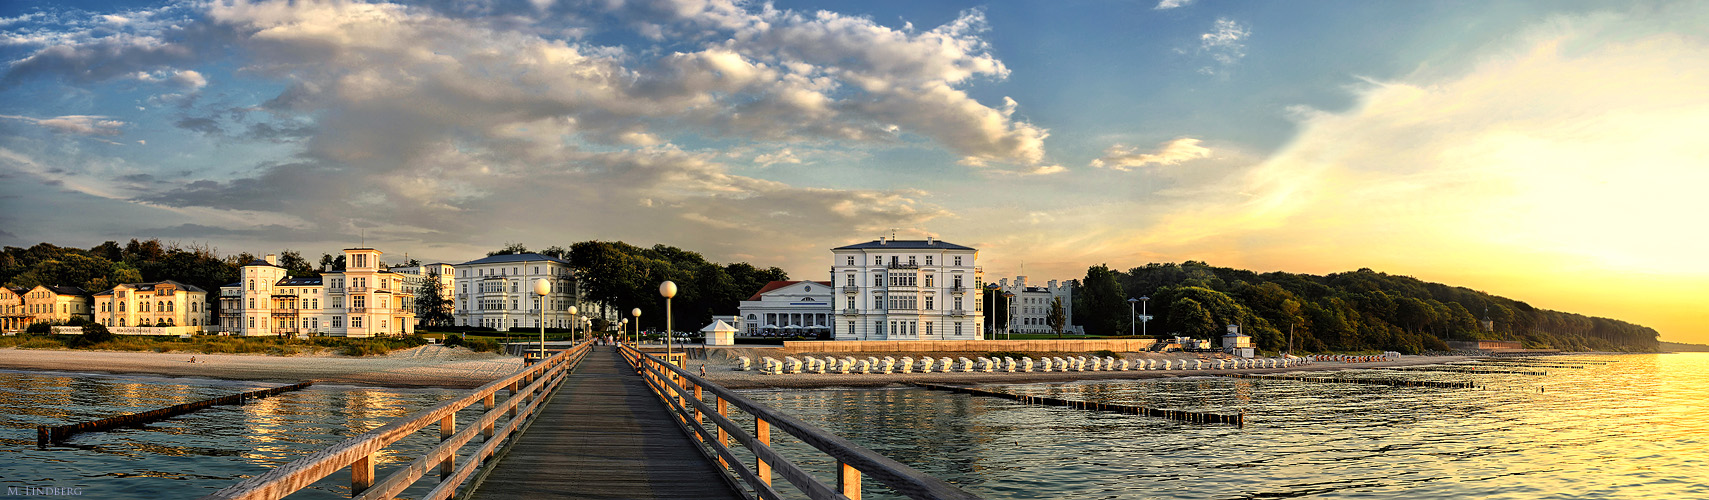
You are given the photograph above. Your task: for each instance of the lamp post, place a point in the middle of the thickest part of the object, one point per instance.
(541, 288)
(636, 312)
(668, 290)
(991, 294)
(1143, 324)
(573, 312)
(1132, 321)
(622, 327)
(1008, 315)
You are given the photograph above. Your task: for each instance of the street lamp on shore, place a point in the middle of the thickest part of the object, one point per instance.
(1132, 320)
(1143, 324)
(668, 290)
(541, 288)
(1008, 315)
(990, 295)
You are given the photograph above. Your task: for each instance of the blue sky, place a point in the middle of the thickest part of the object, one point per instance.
(1542, 150)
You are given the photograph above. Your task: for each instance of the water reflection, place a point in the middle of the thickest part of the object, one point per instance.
(1631, 428)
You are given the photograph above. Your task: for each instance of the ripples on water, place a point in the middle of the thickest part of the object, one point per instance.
(197, 453)
(1631, 429)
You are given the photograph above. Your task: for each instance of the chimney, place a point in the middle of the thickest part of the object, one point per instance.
(929, 240)
(273, 259)
(881, 241)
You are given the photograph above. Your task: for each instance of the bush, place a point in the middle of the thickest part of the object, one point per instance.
(482, 345)
(42, 328)
(1106, 353)
(95, 333)
(453, 340)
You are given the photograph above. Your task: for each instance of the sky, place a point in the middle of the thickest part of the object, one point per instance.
(1547, 151)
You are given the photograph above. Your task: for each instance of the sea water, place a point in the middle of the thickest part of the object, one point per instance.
(1637, 427)
(1633, 428)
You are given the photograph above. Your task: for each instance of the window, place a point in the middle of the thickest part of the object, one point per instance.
(851, 305)
(849, 279)
(928, 277)
(251, 285)
(536, 269)
(893, 260)
(958, 260)
(928, 260)
(878, 327)
(355, 321)
(122, 306)
(958, 328)
(929, 303)
(928, 328)
(910, 260)
(251, 322)
(851, 262)
(359, 301)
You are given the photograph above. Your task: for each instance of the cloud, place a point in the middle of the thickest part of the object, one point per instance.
(775, 157)
(75, 124)
(1224, 43)
(1170, 4)
(1175, 152)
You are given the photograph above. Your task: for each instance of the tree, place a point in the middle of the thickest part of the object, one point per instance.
(1190, 318)
(1058, 317)
(432, 308)
(294, 264)
(556, 252)
(509, 249)
(1104, 301)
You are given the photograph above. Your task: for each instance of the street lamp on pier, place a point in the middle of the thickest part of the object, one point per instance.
(636, 312)
(541, 288)
(573, 312)
(668, 290)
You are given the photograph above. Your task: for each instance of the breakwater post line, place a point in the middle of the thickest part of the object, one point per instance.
(1238, 419)
(1387, 382)
(45, 434)
(1455, 369)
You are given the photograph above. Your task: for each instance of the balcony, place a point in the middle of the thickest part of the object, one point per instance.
(958, 312)
(851, 289)
(902, 265)
(849, 312)
(359, 289)
(958, 289)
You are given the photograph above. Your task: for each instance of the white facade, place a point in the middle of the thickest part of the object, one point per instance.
(1030, 310)
(907, 290)
(415, 276)
(363, 300)
(498, 292)
(164, 303)
(788, 308)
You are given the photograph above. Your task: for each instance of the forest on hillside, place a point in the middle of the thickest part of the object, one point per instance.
(1352, 311)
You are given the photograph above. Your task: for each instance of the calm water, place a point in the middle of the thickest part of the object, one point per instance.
(194, 454)
(1635, 428)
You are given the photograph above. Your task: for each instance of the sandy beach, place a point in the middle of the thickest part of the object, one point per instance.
(425, 366)
(724, 369)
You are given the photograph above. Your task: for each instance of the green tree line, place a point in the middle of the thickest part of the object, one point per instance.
(1352, 311)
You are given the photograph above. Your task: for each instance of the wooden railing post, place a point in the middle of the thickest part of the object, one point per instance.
(447, 428)
(848, 480)
(723, 435)
(697, 418)
(487, 430)
(361, 475)
(762, 433)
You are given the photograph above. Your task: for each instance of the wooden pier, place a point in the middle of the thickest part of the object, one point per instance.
(604, 435)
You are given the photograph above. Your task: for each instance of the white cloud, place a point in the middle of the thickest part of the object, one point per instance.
(75, 124)
(1170, 4)
(1225, 44)
(1175, 152)
(776, 157)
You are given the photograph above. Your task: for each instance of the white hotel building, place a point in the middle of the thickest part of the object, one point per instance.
(363, 300)
(498, 292)
(906, 290)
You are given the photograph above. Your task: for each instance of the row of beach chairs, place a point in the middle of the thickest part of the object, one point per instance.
(928, 364)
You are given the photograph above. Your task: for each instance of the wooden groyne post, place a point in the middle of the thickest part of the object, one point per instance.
(1238, 419)
(1387, 382)
(45, 434)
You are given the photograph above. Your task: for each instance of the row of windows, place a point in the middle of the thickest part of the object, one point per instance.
(46, 308)
(899, 279)
(896, 260)
(168, 321)
(159, 306)
(512, 271)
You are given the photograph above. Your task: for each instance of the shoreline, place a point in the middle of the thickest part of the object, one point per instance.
(727, 375)
(414, 368)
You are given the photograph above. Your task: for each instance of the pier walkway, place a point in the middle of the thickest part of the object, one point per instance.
(604, 435)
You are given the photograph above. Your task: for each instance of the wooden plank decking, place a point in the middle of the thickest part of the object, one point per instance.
(604, 436)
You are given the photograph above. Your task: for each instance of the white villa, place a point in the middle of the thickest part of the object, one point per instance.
(788, 308)
(891, 289)
(162, 303)
(1030, 311)
(498, 292)
(363, 300)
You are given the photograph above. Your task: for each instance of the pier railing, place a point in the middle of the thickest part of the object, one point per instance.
(685, 395)
(360, 453)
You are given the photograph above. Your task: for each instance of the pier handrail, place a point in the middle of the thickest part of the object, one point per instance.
(853, 461)
(359, 453)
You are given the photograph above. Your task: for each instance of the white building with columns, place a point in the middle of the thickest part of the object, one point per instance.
(891, 289)
(363, 300)
(787, 308)
(498, 292)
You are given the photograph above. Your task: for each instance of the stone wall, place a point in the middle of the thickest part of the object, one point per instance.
(1052, 345)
